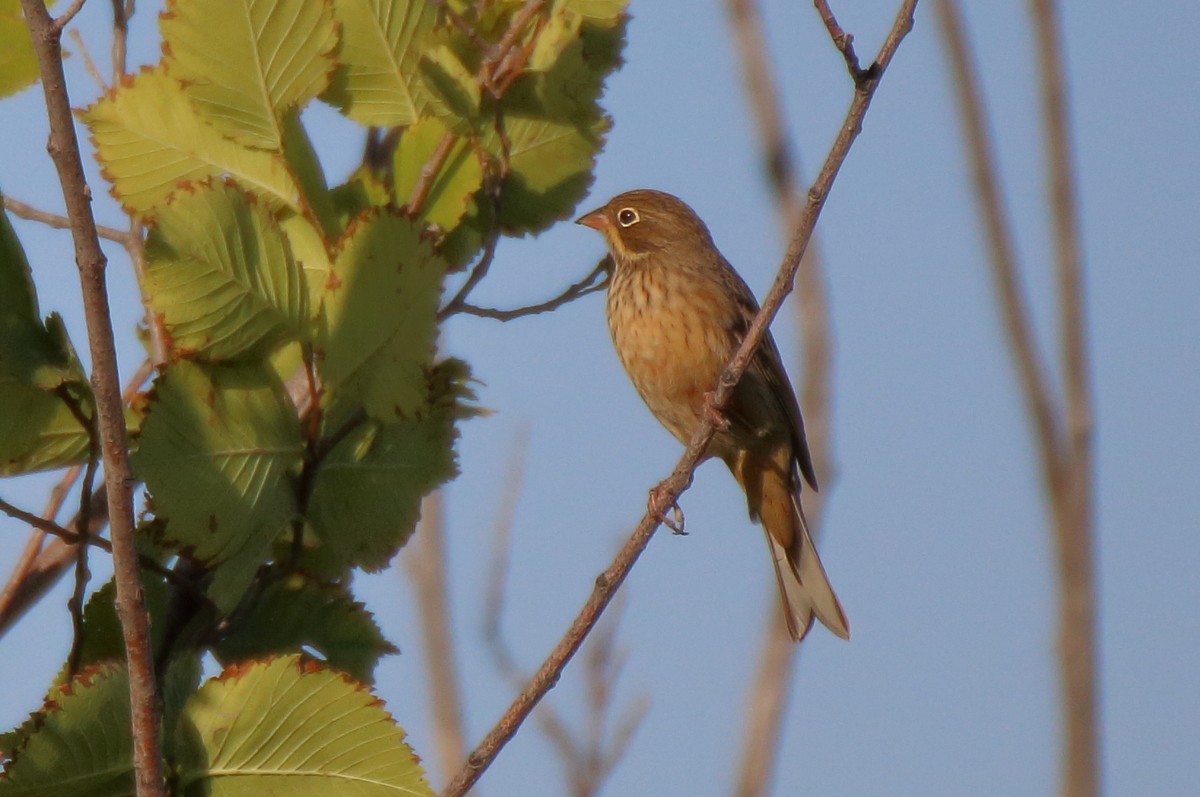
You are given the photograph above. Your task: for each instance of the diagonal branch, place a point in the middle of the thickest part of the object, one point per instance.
(64, 151)
(668, 492)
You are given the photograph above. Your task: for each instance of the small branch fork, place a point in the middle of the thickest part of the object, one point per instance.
(46, 34)
(671, 488)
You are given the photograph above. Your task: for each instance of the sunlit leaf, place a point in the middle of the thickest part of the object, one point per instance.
(216, 448)
(288, 727)
(454, 89)
(221, 275)
(246, 63)
(18, 65)
(293, 613)
(377, 81)
(149, 139)
(378, 322)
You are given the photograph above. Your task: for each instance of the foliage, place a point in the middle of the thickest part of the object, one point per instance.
(301, 414)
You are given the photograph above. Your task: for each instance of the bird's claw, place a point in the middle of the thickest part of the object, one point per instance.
(670, 515)
(713, 415)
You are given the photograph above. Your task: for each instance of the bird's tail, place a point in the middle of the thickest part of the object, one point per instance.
(803, 585)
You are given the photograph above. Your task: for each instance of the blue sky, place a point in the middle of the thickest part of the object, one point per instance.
(935, 533)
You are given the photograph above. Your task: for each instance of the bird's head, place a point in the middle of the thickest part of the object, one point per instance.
(638, 223)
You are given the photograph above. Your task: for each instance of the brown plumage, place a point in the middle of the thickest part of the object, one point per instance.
(677, 312)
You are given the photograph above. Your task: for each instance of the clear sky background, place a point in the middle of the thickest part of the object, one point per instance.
(935, 533)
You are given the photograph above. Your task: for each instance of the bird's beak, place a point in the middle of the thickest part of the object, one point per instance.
(596, 220)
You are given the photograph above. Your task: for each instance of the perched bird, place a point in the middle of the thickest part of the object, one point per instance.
(677, 312)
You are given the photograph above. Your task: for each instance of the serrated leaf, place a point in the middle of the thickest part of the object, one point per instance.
(149, 139)
(103, 639)
(37, 431)
(308, 246)
(215, 451)
(310, 176)
(456, 183)
(366, 496)
(221, 274)
(294, 613)
(550, 169)
(288, 727)
(377, 81)
(18, 64)
(246, 63)
(379, 316)
(82, 746)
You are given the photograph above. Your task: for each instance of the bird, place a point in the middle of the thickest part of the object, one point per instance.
(678, 312)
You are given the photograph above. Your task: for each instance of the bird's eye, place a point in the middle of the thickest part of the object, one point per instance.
(627, 217)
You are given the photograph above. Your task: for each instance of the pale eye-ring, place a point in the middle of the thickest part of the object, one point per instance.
(627, 217)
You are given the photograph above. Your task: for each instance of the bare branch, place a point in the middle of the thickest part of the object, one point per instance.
(842, 40)
(576, 290)
(668, 491)
(61, 22)
(29, 213)
(64, 151)
(82, 573)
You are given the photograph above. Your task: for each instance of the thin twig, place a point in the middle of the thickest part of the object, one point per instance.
(667, 493)
(82, 574)
(842, 40)
(88, 63)
(65, 19)
(576, 290)
(33, 546)
(106, 387)
(29, 213)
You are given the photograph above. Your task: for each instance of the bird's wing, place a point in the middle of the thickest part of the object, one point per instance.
(767, 374)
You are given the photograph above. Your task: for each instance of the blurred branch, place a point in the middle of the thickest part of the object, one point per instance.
(590, 760)
(82, 574)
(88, 63)
(767, 704)
(425, 559)
(1062, 434)
(667, 493)
(46, 34)
(33, 546)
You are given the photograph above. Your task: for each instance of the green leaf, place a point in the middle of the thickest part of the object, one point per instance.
(216, 449)
(306, 167)
(18, 65)
(246, 63)
(379, 316)
(308, 245)
(550, 169)
(560, 30)
(221, 274)
(82, 746)
(456, 183)
(377, 81)
(37, 431)
(296, 612)
(149, 139)
(366, 496)
(102, 639)
(289, 727)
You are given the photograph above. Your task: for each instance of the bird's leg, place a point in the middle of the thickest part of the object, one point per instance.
(713, 415)
(658, 507)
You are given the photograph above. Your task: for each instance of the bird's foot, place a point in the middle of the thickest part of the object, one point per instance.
(671, 515)
(713, 415)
